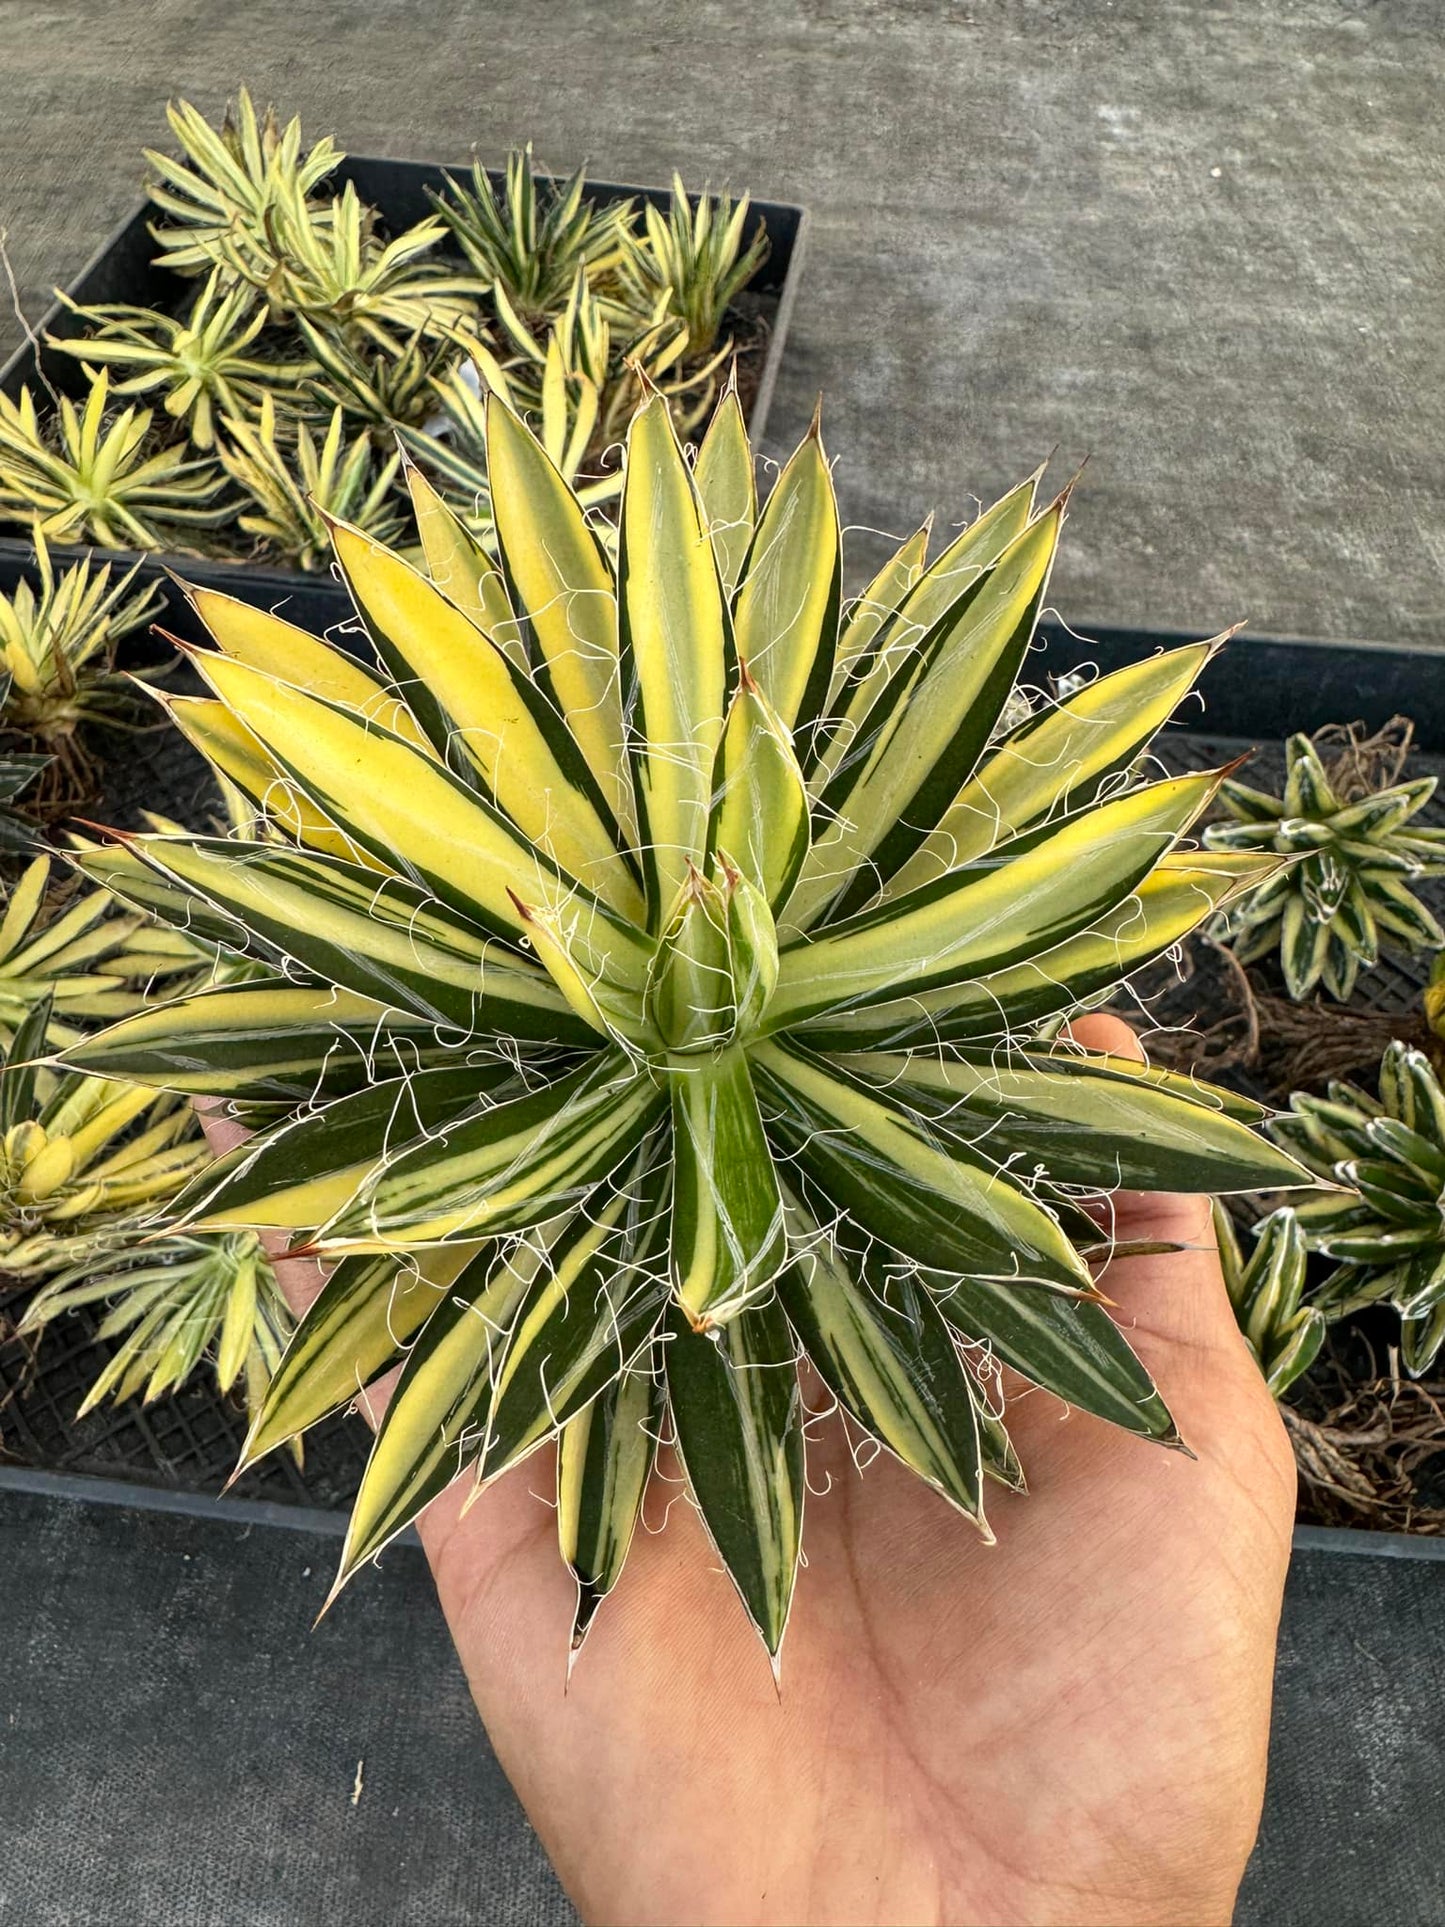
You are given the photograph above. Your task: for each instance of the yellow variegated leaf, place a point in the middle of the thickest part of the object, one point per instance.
(461, 568)
(786, 616)
(974, 921)
(560, 578)
(263, 641)
(469, 697)
(1053, 759)
(674, 634)
(725, 482)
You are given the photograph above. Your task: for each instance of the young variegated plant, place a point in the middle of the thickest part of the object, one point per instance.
(1266, 1289)
(667, 965)
(89, 958)
(292, 490)
(1351, 890)
(90, 476)
(171, 1302)
(1385, 1228)
(58, 640)
(201, 363)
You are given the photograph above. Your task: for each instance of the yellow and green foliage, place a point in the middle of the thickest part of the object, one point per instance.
(665, 961)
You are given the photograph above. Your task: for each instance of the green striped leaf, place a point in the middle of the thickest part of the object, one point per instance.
(297, 1173)
(469, 698)
(885, 670)
(728, 1243)
(890, 1361)
(1087, 1124)
(1056, 762)
(604, 1461)
(1170, 902)
(1068, 1346)
(674, 643)
(506, 1166)
(262, 1041)
(375, 937)
(786, 615)
(727, 488)
(988, 916)
(907, 764)
(432, 1428)
(737, 1413)
(589, 1314)
(928, 1198)
(867, 613)
(365, 1314)
(559, 576)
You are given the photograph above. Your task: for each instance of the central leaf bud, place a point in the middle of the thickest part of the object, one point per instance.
(716, 963)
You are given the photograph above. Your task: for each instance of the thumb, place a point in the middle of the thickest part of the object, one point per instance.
(1177, 1297)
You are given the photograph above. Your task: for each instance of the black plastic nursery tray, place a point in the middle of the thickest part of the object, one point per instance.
(122, 270)
(1256, 691)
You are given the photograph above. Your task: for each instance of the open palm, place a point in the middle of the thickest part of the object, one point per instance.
(1069, 1725)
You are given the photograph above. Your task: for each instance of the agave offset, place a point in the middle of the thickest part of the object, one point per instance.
(1385, 1228)
(171, 1303)
(1351, 890)
(529, 242)
(229, 180)
(88, 959)
(666, 964)
(80, 1157)
(201, 362)
(58, 638)
(1266, 1290)
(694, 262)
(292, 494)
(330, 264)
(87, 477)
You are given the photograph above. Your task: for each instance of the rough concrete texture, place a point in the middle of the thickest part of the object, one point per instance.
(177, 1748)
(1200, 243)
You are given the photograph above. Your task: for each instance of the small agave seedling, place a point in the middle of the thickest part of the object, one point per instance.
(1266, 1290)
(528, 243)
(58, 640)
(665, 968)
(329, 264)
(201, 362)
(386, 388)
(1350, 890)
(294, 494)
(89, 478)
(80, 1157)
(90, 960)
(173, 1301)
(228, 181)
(1386, 1229)
(693, 260)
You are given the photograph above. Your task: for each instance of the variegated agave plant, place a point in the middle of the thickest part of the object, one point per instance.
(665, 973)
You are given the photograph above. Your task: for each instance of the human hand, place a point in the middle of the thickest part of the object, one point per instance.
(1067, 1726)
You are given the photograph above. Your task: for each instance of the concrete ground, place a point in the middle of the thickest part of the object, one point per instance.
(1200, 242)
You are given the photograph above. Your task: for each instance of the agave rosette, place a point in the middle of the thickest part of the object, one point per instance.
(663, 964)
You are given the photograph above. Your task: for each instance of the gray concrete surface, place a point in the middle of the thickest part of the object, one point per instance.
(178, 1748)
(1200, 242)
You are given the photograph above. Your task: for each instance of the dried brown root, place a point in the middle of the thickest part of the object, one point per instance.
(1358, 765)
(1364, 1448)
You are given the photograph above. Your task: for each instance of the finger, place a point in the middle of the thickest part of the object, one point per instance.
(1177, 1296)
